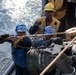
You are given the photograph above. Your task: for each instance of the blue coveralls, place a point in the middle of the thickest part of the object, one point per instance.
(19, 56)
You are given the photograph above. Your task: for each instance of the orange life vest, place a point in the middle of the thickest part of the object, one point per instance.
(43, 24)
(58, 4)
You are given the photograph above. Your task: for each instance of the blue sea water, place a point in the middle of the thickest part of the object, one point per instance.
(13, 12)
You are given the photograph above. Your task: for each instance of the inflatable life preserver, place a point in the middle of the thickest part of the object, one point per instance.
(37, 60)
(58, 5)
(55, 23)
(70, 33)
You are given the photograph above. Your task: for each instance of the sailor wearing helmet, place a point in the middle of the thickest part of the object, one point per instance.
(20, 50)
(48, 49)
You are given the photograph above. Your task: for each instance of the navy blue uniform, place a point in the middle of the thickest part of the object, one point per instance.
(19, 53)
(19, 56)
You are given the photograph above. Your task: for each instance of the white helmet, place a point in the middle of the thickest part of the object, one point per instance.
(21, 28)
(48, 30)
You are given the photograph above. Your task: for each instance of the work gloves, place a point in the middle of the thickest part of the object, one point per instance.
(3, 37)
(55, 41)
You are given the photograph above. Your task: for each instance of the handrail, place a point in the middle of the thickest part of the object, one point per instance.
(9, 69)
(4, 65)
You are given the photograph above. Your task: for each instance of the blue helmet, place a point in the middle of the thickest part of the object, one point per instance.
(48, 30)
(21, 27)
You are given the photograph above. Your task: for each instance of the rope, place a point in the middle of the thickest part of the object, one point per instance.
(40, 47)
(44, 46)
(55, 59)
(37, 35)
(26, 47)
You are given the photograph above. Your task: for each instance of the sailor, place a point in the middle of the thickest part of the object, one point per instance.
(19, 52)
(42, 57)
(47, 30)
(46, 20)
(60, 13)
